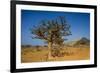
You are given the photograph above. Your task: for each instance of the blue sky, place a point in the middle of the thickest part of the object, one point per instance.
(80, 24)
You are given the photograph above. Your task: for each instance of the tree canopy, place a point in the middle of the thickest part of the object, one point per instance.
(52, 30)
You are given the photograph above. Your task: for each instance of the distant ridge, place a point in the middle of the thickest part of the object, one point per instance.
(82, 41)
(79, 42)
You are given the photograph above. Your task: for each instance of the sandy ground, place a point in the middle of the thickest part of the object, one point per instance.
(41, 55)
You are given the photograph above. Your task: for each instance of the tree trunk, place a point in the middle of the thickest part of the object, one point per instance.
(50, 48)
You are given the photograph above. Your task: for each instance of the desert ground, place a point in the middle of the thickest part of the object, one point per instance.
(40, 54)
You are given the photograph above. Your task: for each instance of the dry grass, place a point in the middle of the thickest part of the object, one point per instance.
(40, 54)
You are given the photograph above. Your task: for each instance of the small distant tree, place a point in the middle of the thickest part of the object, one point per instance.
(52, 31)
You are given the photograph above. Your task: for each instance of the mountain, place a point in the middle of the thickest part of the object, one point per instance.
(83, 41)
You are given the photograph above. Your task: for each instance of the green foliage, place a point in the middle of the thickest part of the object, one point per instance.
(52, 30)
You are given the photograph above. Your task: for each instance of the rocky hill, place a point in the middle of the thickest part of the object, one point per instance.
(81, 42)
